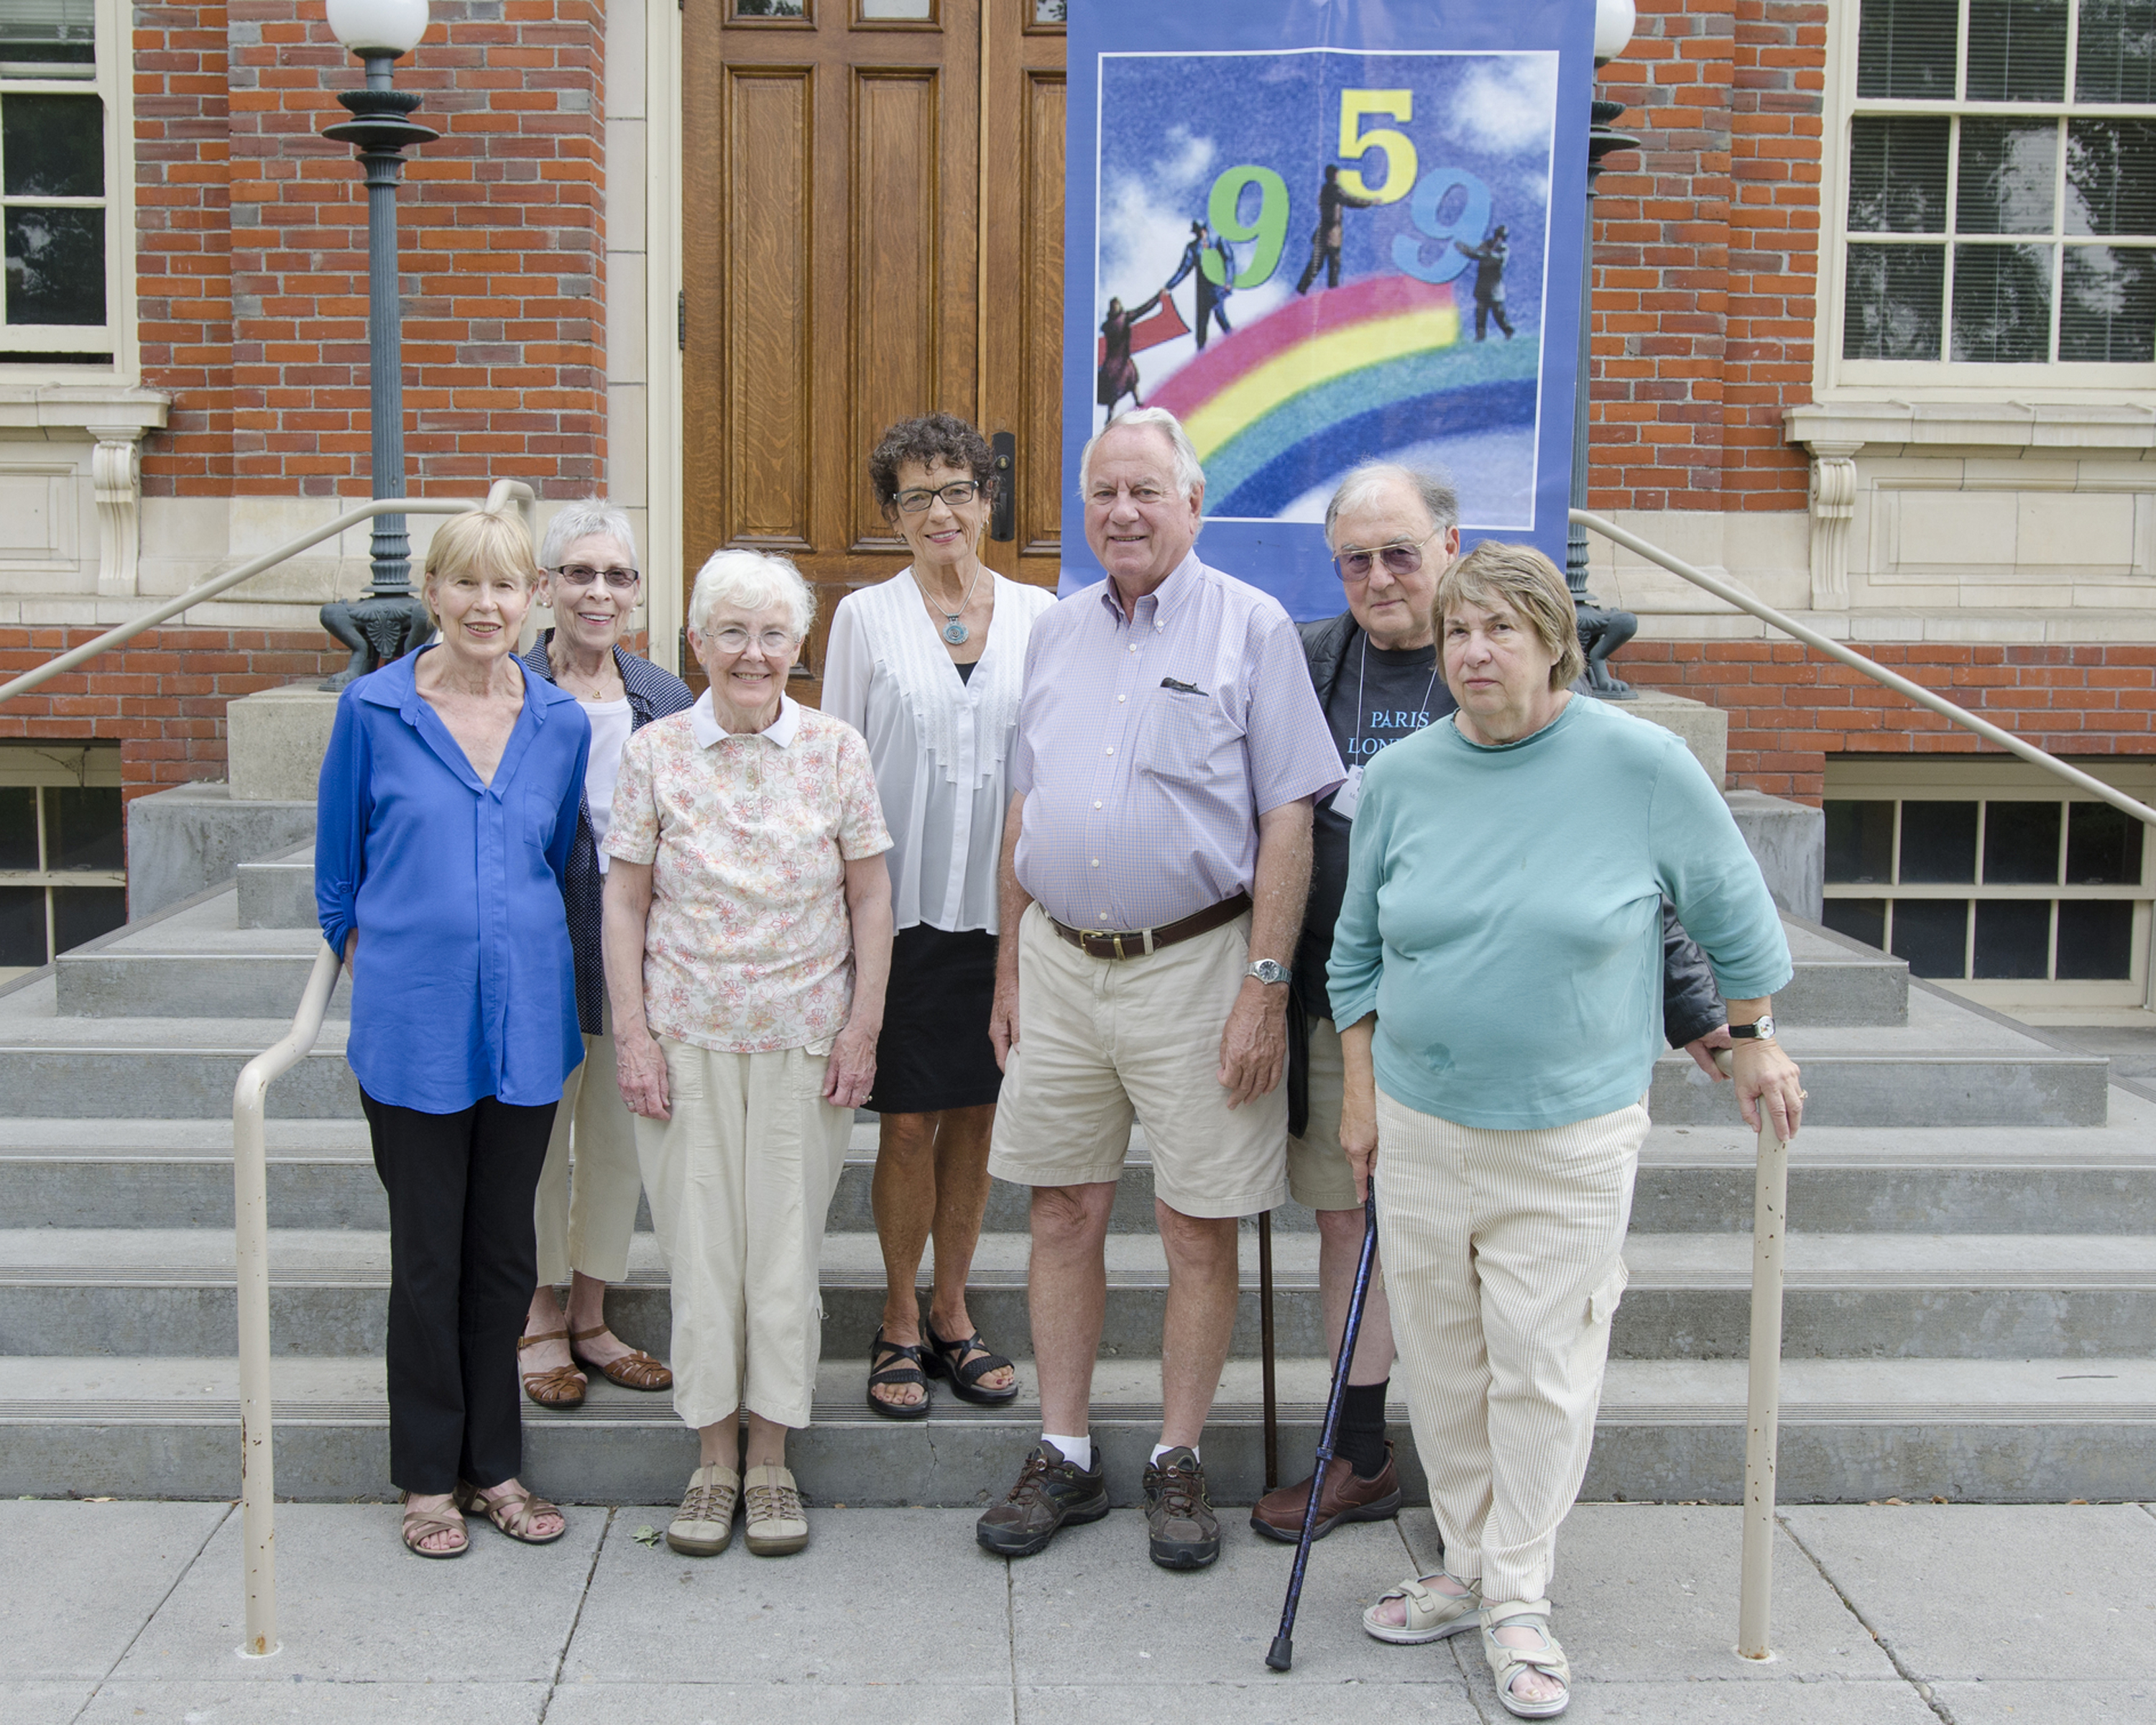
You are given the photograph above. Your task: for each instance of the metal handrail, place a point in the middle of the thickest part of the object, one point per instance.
(250, 1231)
(503, 492)
(1871, 668)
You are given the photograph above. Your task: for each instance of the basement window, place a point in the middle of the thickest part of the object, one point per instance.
(63, 850)
(1995, 879)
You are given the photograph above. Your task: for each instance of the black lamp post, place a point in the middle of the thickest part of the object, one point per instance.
(389, 620)
(1602, 631)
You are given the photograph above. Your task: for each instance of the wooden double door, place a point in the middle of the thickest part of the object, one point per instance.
(873, 228)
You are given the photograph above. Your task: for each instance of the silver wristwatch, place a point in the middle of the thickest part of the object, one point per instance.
(1762, 1029)
(1268, 971)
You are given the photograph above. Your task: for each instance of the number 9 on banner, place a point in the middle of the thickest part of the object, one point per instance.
(1269, 230)
(1469, 220)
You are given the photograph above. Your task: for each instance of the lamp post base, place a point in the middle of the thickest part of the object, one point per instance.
(378, 630)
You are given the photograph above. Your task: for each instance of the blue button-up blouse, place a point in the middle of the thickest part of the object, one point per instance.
(463, 986)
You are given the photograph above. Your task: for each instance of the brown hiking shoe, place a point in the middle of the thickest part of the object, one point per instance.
(1278, 1515)
(1186, 1533)
(1051, 1490)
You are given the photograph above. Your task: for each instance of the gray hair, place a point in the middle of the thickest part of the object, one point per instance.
(580, 520)
(1189, 476)
(752, 581)
(1431, 487)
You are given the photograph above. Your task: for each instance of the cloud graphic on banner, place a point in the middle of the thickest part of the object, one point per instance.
(1506, 107)
(1145, 222)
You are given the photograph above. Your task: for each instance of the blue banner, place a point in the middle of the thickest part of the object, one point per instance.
(1323, 232)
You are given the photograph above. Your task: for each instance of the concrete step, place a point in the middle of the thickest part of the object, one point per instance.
(177, 1174)
(1970, 1430)
(195, 963)
(279, 892)
(152, 1292)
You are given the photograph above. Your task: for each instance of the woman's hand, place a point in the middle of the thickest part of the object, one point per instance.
(1765, 1074)
(1358, 1137)
(850, 1073)
(350, 949)
(639, 1067)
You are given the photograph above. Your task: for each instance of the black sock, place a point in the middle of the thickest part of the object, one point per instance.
(1361, 1440)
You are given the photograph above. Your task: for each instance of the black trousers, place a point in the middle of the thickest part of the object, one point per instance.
(463, 1262)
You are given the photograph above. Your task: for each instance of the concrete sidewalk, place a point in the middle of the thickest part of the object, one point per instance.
(1884, 1615)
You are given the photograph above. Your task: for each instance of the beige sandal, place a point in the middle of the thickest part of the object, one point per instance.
(1507, 1663)
(514, 1514)
(777, 1523)
(420, 1524)
(562, 1388)
(1430, 1615)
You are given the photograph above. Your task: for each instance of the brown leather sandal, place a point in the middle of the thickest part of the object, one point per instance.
(421, 1524)
(514, 1515)
(635, 1370)
(562, 1388)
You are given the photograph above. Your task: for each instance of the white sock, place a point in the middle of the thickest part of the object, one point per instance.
(1161, 1449)
(1077, 1450)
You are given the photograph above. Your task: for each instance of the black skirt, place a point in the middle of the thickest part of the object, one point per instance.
(935, 1053)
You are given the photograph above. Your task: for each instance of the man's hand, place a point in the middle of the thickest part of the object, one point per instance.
(1702, 1051)
(1003, 1020)
(1253, 1046)
(850, 1073)
(639, 1066)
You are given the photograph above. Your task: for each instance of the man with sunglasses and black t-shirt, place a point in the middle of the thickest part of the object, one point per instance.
(1393, 531)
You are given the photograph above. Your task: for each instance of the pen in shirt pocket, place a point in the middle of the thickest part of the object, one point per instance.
(1180, 688)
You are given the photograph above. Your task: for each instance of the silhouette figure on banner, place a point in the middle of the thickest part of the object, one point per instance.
(1490, 259)
(1212, 296)
(1325, 240)
(1122, 334)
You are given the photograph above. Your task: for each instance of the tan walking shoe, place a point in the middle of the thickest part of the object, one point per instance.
(777, 1523)
(703, 1525)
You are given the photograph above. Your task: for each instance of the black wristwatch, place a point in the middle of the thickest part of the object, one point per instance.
(1761, 1030)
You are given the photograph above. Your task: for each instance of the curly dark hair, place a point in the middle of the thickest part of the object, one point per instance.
(928, 438)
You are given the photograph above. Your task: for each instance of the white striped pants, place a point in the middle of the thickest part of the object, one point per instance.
(1501, 1255)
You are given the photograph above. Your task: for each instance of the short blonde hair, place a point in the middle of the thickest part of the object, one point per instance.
(754, 581)
(1523, 580)
(489, 540)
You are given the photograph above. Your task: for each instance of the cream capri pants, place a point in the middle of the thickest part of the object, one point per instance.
(1502, 1253)
(740, 1178)
(586, 1226)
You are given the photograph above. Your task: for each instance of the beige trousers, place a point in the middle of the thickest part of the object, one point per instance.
(740, 1178)
(1502, 1260)
(585, 1225)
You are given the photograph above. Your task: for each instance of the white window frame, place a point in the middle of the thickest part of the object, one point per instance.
(1942, 379)
(114, 82)
(1963, 779)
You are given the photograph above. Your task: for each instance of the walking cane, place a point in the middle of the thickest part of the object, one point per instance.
(1281, 1655)
(1265, 1346)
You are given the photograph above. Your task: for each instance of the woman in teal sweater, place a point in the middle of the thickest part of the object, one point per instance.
(1497, 975)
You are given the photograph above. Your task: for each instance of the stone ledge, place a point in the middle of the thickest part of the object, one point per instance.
(2038, 427)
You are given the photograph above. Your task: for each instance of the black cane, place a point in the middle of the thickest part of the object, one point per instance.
(1265, 1346)
(1281, 1655)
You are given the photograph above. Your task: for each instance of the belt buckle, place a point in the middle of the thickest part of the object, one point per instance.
(1085, 934)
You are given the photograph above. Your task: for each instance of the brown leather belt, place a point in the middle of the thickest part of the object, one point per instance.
(1137, 942)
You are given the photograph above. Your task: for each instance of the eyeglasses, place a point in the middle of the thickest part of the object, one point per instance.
(956, 494)
(1402, 558)
(583, 575)
(737, 640)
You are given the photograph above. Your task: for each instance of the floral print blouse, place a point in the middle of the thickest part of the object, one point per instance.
(749, 948)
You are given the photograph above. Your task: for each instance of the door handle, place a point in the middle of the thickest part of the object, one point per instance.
(1003, 512)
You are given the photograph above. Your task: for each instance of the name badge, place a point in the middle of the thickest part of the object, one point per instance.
(1348, 795)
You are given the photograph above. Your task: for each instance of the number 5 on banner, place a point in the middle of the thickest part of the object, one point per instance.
(1400, 161)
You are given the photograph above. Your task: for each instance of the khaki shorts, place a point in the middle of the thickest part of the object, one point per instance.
(1318, 1176)
(1104, 1041)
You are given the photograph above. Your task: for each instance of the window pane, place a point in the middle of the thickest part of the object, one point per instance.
(82, 913)
(84, 828)
(51, 147)
(22, 926)
(48, 31)
(2096, 939)
(19, 827)
(1930, 935)
(2002, 304)
(2017, 50)
(2021, 843)
(1051, 12)
(2103, 846)
(771, 8)
(55, 260)
(898, 8)
(1897, 176)
(1860, 840)
(1861, 919)
(2008, 175)
(1906, 47)
(1893, 299)
(2115, 60)
(1938, 842)
(2107, 313)
(2111, 177)
(2013, 938)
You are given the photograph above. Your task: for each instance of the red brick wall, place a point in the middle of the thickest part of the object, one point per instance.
(1789, 708)
(1705, 241)
(252, 251)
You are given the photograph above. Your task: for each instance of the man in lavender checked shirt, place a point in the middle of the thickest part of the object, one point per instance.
(1156, 858)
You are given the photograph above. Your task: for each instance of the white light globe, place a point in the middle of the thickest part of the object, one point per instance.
(1615, 21)
(394, 26)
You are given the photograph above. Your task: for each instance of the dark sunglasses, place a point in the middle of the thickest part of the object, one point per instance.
(1404, 559)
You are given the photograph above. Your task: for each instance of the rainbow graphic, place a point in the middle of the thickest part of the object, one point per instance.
(1336, 376)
